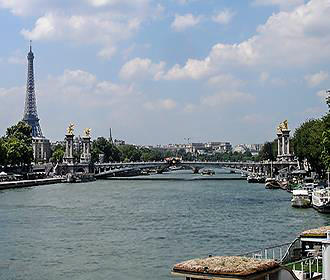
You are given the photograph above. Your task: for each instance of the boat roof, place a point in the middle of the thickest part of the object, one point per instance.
(316, 232)
(226, 266)
(300, 192)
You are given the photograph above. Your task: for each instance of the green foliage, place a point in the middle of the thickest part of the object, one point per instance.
(3, 152)
(58, 153)
(21, 131)
(18, 144)
(326, 149)
(104, 146)
(268, 151)
(129, 153)
(326, 139)
(308, 143)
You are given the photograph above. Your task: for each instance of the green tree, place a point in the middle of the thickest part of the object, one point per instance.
(267, 152)
(58, 153)
(3, 152)
(104, 146)
(21, 131)
(326, 137)
(308, 143)
(19, 144)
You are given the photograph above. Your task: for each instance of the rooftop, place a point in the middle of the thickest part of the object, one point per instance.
(236, 266)
(316, 232)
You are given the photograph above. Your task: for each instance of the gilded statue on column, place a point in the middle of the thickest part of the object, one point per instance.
(283, 126)
(87, 132)
(70, 129)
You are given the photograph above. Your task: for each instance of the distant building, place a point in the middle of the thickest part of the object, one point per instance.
(40, 145)
(118, 142)
(219, 147)
(254, 149)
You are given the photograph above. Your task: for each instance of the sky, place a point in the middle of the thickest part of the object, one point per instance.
(167, 71)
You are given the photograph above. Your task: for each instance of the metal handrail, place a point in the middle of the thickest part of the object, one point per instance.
(269, 252)
(300, 265)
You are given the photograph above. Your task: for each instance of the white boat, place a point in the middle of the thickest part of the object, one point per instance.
(300, 199)
(321, 200)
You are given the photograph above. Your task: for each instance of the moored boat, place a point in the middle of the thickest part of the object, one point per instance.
(321, 200)
(300, 199)
(207, 172)
(272, 183)
(255, 178)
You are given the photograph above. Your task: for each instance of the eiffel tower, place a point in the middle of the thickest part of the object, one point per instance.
(30, 109)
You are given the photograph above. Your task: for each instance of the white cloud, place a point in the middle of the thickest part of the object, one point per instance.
(283, 4)
(317, 78)
(224, 16)
(225, 98)
(105, 29)
(287, 39)
(183, 22)
(225, 81)
(85, 89)
(142, 68)
(24, 7)
(105, 23)
(102, 3)
(194, 69)
(163, 104)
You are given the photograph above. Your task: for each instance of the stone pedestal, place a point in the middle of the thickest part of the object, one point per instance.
(86, 150)
(283, 145)
(68, 156)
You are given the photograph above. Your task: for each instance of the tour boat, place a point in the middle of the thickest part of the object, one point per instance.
(272, 183)
(321, 200)
(300, 199)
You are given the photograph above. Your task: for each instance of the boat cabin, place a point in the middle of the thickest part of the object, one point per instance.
(311, 241)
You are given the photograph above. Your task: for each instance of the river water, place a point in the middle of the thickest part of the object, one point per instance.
(139, 229)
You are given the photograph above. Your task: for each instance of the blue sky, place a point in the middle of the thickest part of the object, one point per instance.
(160, 71)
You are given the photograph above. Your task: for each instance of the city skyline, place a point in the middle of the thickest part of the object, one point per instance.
(151, 72)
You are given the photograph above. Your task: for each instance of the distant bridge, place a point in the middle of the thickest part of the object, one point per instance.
(103, 170)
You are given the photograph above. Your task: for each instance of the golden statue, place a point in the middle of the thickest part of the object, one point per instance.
(70, 129)
(283, 126)
(87, 132)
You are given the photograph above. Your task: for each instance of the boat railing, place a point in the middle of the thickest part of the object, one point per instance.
(307, 268)
(283, 253)
(277, 252)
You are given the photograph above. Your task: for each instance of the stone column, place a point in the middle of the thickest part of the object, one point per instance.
(68, 157)
(279, 144)
(86, 154)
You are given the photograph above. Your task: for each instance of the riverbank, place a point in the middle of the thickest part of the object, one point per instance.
(29, 183)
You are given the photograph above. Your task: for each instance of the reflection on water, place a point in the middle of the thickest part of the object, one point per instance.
(139, 229)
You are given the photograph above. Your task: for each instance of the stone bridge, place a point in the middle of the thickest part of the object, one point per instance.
(103, 170)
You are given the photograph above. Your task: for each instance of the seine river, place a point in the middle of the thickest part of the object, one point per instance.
(139, 229)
